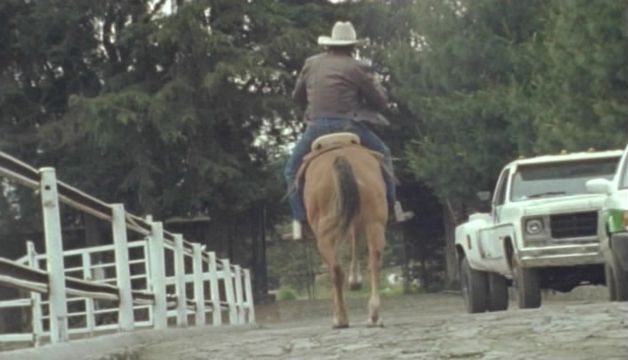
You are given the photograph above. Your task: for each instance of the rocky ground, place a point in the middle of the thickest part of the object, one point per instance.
(416, 327)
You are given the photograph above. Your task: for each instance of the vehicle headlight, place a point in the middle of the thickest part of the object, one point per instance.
(534, 226)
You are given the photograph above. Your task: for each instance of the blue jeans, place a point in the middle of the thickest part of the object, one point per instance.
(325, 126)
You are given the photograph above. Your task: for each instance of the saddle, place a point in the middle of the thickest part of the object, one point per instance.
(329, 142)
(334, 141)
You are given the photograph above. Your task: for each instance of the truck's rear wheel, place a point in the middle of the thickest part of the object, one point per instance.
(528, 287)
(474, 288)
(497, 292)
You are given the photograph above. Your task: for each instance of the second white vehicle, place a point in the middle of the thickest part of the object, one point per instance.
(613, 229)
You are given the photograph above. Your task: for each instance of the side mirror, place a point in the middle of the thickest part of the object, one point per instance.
(598, 186)
(483, 195)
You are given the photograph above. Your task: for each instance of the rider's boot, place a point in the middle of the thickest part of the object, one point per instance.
(297, 230)
(300, 230)
(400, 215)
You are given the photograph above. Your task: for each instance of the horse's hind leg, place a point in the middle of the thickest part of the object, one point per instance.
(328, 253)
(375, 234)
(355, 276)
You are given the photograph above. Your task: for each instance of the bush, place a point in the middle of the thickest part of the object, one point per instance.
(286, 294)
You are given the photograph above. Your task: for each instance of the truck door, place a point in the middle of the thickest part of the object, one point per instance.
(490, 239)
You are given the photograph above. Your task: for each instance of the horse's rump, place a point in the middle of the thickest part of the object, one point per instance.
(344, 187)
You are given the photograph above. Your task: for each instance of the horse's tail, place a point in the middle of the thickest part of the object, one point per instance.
(347, 203)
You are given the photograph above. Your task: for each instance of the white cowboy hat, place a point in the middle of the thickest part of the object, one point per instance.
(342, 34)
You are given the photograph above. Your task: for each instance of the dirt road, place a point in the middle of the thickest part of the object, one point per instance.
(416, 327)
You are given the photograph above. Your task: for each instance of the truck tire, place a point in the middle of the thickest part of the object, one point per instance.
(528, 287)
(619, 272)
(474, 288)
(621, 284)
(497, 292)
(610, 282)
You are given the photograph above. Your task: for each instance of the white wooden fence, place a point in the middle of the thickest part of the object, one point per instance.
(155, 280)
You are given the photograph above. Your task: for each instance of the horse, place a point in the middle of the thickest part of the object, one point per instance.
(345, 200)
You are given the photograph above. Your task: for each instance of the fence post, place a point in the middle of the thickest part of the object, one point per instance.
(123, 272)
(54, 256)
(158, 274)
(238, 291)
(90, 319)
(199, 291)
(179, 273)
(35, 297)
(250, 305)
(213, 287)
(228, 279)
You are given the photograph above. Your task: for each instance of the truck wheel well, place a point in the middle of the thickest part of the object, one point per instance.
(460, 253)
(509, 251)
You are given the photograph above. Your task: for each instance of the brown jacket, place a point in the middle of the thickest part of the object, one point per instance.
(335, 85)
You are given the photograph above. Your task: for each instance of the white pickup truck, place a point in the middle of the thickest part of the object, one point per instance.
(542, 231)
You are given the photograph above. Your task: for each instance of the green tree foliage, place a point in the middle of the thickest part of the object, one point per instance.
(181, 111)
(454, 78)
(172, 113)
(46, 48)
(581, 92)
(489, 80)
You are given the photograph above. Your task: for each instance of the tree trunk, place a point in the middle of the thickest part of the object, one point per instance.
(451, 218)
(258, 255)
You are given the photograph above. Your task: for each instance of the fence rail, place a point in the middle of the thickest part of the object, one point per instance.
(199, 283)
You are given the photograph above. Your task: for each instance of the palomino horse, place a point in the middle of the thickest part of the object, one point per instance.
(345, 198)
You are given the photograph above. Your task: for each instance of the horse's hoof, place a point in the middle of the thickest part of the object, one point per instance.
(340, 326)
(372, 324)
